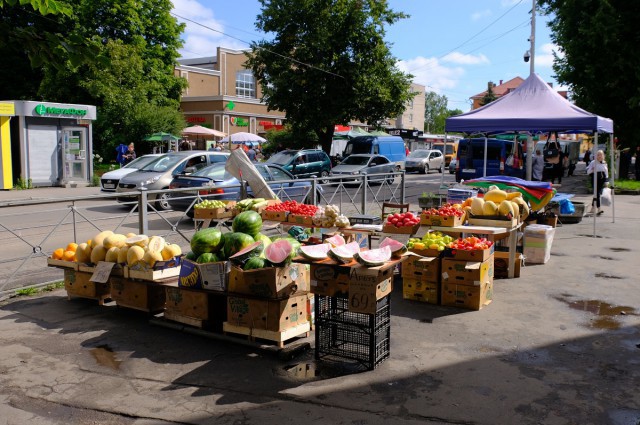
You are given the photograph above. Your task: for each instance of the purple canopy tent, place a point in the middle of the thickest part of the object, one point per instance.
(533, 107)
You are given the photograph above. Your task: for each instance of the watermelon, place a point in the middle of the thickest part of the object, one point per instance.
(295, 245)
(207, 240)
(207, 257)
(373, 257)
(191, 256)
(248, 222)
(235, 242)
(344, 253)
(336, 240)
(397, 248)
(255, 263)
(315, 252)
(266, 240)
(279, 252)
(253, 250)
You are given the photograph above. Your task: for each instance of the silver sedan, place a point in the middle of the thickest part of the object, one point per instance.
(365, 164)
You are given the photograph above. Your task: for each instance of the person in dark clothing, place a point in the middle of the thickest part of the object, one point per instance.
(130, 155)
(625, 163)
(587, 157)
(637, 168)
(599, 167)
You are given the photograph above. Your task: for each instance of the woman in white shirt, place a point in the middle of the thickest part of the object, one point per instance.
(602, 177)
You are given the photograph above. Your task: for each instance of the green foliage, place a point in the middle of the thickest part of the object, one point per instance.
(328, 63)
(489, 96)
(287, 139)
(598, 43)
(627, 185)
(435, 106)
(53, 286)
(22, 184)
(43, 7)
(27, 291)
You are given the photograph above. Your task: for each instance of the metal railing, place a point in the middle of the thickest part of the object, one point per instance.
(31, 230)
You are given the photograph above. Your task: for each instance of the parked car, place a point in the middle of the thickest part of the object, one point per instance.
(425, 160)
(159, 173)
(452, 166)
(303, 163)
(109, 180)
(365, 164)
(391, 147)
(217, 183)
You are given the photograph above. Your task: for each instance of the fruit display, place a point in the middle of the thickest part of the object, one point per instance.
(335, 240)
(253, 204)
(406, 219)
(431, 240)
(330, 216)
(294, 207)
(498, 203)
(130, 249)
(373, 257)
(315, 252)
(396, 248)
(210, 203)
(471, 243)
(344, 253)
(248, 222)
(446, 210)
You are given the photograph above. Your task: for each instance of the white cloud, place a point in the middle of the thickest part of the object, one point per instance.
(431, 73)
(464, 59)
(544, 55)
(476, 16)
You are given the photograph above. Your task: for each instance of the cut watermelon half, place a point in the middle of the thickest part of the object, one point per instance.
(397, 248)
(315, 252)
(344, 253)
(279, 252)
(253, 250)
(373, 257)
(336, 240)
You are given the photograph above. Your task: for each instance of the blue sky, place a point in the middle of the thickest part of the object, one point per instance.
(452, 47)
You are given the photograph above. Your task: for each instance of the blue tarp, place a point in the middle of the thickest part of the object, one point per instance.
(121, 150)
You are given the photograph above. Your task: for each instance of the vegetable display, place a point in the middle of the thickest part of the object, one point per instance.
(406, 219)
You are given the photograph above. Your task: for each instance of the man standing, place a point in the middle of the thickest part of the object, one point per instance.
(251, 154)
(537, 166)
(130, 155)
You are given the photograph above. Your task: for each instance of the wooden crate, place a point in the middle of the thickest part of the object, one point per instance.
(138, 294)
(77, 284)
(301, 330)
(62, 264)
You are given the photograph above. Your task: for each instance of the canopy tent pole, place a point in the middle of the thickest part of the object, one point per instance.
(612, 177)
(484, 168)
(595, 180)
(444, 161)
(530, 153)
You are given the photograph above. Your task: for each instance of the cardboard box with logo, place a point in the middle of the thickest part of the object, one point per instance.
(473, 273)
(271, 315)
(270, 282)
(210, 276)
(421, 268)
(420, 290)
(470, 297)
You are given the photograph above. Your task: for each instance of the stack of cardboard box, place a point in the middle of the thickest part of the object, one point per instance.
(467, 278)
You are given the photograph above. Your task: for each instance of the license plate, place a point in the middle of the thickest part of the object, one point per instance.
(109, 186)
(469, 170)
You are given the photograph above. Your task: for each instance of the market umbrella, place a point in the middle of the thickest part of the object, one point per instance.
(240, 166)
(243, 137)
(161, 137)
(199, 130)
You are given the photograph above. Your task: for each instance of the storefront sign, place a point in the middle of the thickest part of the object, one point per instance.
(42, 109)
(7, 109)
(239, 122)
(196, 119)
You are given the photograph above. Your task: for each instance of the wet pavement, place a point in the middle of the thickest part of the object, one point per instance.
(559, 345)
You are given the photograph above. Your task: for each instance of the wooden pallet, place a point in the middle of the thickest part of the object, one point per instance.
(278, 337)
(185, 320)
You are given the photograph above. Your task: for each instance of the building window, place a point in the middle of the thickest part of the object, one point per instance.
(410, 117)
(245, 84)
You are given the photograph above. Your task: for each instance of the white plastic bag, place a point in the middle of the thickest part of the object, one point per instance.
(605, 198)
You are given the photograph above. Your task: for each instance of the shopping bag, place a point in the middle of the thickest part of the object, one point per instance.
(567, 207)
(605, 198)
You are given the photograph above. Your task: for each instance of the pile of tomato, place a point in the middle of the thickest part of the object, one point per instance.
(471, 243)
(402, 219)
(447, 210)
(294, 208)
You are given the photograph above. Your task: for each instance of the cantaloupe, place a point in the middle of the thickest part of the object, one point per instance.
(115, 240)
(135, 254)
(112, 255)
(98, 253)
(489, 208)
(99, 238)
(171, 250)
(122, 254)
(477, 206)
(83, 253)
(496, 196)
(151, 257)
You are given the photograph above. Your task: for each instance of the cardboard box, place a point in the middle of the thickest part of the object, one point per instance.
(501, 265)
(161, 270)
(363, 295)
(271, 315)
(438, 220)
(303, 220)
(215, 213)
(210, 276)
(493, 221)
(404, 230)
(275, 215)
(270, 282)
(138, 295)
(427, 252)
(466, 296)
(117, 270)
(474, 273)
(420, 290)
(329, 271)
(469, 255)
(426, 269)
(78, 284)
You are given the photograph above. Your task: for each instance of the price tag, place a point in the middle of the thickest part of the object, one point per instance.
(362, 297)
(102, 272)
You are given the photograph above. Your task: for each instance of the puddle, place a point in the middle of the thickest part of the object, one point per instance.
(607, 315)
(105, 356)
(608, 276)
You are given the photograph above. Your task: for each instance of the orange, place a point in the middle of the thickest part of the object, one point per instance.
(57, 254)
(69, 256)
(72, 247)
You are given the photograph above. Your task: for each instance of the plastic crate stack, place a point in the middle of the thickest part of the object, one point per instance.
(356, 336)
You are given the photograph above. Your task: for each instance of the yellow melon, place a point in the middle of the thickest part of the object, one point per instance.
(151, 257)
(137, 240)
(156, 243)
(511, 195)
(83, 253)
(524, 207)
(115, 240)
(112, 255)
(171, 250)
(489, 208)
(506, 209)
(122, 254)
(98, 253)
(496, 196)
(99, 238)
(135, 254)
(477, 206)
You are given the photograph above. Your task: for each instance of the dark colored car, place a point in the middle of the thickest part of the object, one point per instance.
(217, 183)
(303, 163)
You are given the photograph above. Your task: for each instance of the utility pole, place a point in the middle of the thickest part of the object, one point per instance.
(532, 39)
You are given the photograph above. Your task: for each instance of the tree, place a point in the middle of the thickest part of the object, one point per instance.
(441, 120)
(598, 43)
(434, 107)
(328, 64)
(489, 96)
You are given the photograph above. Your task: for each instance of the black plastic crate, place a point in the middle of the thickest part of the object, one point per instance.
(355, 336)
(365, 219)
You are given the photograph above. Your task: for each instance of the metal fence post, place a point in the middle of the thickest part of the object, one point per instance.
(243, 189)
(143, 219)
(73, 214)
(314, 184)
(365, 185)
(402, 186)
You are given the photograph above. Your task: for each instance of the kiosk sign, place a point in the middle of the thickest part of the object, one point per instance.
(42, 109)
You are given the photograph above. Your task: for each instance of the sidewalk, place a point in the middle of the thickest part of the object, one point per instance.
(559, 345)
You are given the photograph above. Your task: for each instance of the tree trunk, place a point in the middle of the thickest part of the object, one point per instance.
(326, 138)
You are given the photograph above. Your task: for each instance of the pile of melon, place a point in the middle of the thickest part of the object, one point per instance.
(130, 249)
(497, 202)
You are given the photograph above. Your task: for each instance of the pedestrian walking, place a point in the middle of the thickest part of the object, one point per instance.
(599, 167)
